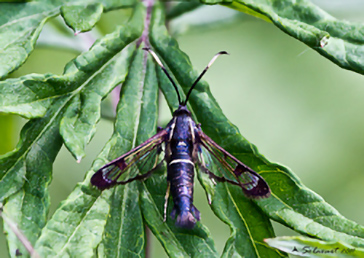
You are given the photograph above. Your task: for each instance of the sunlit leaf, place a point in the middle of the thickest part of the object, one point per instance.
(81, 17)
(27, 170)
(124, 234)
(87, 207)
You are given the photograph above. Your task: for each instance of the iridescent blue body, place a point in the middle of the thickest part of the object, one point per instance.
(180, 156)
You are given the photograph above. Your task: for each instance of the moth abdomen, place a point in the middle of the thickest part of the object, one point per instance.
(180, 177)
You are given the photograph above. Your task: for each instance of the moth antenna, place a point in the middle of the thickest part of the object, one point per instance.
(202, 74)
(154, 55)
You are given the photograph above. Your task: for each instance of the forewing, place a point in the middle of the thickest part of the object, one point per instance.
(223, 166)
(133, 165)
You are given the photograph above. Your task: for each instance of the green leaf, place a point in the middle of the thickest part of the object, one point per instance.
(29, 96)
(76, 227)
(304, 246)
(79, 122)
(21, 23)
(83, 81)
(82, 17)
(339, 41)
(27, 170)
(295, 206)
(68, 107)
(291, 203)
(32, 162)
(87, 207)
(181, 8)
(124, 232)
(228, 202)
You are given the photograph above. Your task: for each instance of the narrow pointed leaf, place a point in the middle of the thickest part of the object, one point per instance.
(82, 17)
(309, 247)
(86, 79)
(21, 23)
(24, 97)
(31, 95)
(92, 207)
(27, 170)
(77, 225)
(249, 226)
(124, 231)
(82, 115)
(291, 203)
(32, 163)
(51, 87)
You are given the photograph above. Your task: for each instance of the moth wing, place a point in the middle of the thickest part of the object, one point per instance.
(223, 166)
(133, 165)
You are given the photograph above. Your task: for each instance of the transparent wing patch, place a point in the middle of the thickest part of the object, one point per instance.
(136, 164)
(223, 167)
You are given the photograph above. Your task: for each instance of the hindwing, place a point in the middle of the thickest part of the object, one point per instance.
(224, 167)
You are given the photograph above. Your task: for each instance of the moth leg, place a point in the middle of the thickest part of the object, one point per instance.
(141, 177)
(166, 201)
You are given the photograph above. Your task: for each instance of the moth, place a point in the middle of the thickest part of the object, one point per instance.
(185, 146)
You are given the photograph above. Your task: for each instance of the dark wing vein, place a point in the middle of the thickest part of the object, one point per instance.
(132, 165)
(225, 167)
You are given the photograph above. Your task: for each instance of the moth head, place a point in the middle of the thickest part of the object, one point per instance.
(182, 109)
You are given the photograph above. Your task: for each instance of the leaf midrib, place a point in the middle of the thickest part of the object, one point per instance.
(58, 111)
(243, 219)
(78, 226)
(136, 126)
(311, 219)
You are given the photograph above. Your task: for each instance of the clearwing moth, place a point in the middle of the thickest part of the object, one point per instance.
(185, 146)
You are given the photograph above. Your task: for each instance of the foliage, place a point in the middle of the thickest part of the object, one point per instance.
(304, 246)
(64, 109)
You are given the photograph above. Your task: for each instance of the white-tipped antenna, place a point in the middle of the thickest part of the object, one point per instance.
(156, 58)
(203, 72)
(196, 81)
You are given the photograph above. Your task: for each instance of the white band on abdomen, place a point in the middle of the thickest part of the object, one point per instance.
(180, 161)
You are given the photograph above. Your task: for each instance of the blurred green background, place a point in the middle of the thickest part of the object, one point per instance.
(297, 107)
